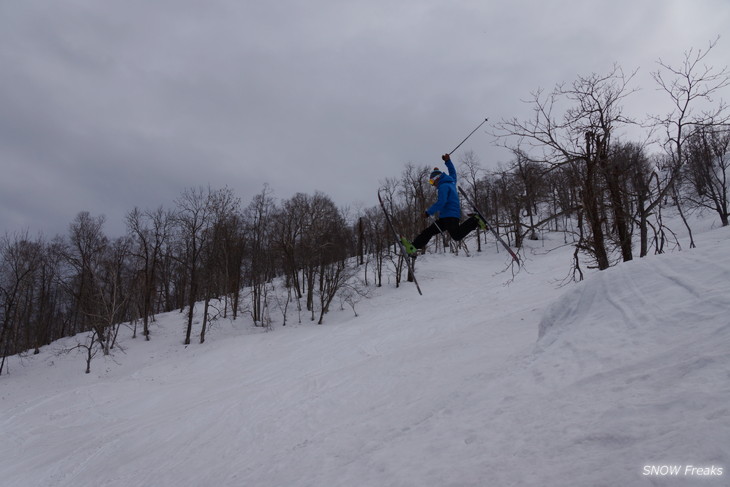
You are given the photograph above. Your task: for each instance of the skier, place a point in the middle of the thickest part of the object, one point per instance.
(449, 211)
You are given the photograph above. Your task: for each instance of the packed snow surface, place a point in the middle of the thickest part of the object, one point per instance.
(488, 379)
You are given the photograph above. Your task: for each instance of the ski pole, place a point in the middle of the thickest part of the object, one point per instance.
(470, 134)
(435, 222)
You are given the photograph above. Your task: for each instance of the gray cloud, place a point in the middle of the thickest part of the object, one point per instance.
(108, 105)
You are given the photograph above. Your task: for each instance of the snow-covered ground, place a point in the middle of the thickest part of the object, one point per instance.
(483, 381)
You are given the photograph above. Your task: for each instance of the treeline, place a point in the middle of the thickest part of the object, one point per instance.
(570, 157)
(207, 249)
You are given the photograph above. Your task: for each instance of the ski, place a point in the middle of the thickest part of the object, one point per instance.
(404, 253)
(491, 229)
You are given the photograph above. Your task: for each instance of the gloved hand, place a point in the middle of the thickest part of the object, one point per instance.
(446, 157)
(425, 215)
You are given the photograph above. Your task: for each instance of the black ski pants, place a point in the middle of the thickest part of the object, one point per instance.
(450, 225)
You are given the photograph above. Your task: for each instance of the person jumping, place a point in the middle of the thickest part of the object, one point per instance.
(448, 208)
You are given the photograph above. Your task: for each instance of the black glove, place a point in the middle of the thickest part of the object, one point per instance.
(446, 157)
(425, 215)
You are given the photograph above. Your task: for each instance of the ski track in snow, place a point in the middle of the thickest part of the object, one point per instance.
(484, 380)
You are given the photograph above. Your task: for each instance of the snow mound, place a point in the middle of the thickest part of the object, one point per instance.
(642, 306)
(637, 359)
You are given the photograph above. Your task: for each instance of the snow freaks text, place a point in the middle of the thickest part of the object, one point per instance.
(682, 471)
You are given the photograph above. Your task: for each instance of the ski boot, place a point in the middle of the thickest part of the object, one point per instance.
(482, 224)
(410, 249)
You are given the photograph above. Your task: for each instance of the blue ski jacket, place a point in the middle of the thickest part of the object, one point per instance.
(447, 204)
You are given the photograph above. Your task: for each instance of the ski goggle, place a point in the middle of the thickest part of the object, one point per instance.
(433, 181)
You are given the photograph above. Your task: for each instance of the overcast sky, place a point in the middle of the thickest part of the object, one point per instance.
(108, 105)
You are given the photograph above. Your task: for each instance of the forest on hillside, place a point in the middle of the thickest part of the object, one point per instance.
(570, 173)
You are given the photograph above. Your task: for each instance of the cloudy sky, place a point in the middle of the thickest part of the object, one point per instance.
(108, 105)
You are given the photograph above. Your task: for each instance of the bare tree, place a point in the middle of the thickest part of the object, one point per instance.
(529, 176)
(615, 169)
(472, 173)
(87, 246)
(389, 191)
(19, 261)
(111, 292)
(150, 231)
(89, 347)
(581, 139)
(289, 230)
(221, 259)
(691, 88)
(260, 266)
(194, 218)
(335, 245)
(708, 161)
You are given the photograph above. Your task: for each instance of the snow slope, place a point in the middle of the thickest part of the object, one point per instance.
(483, 381)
